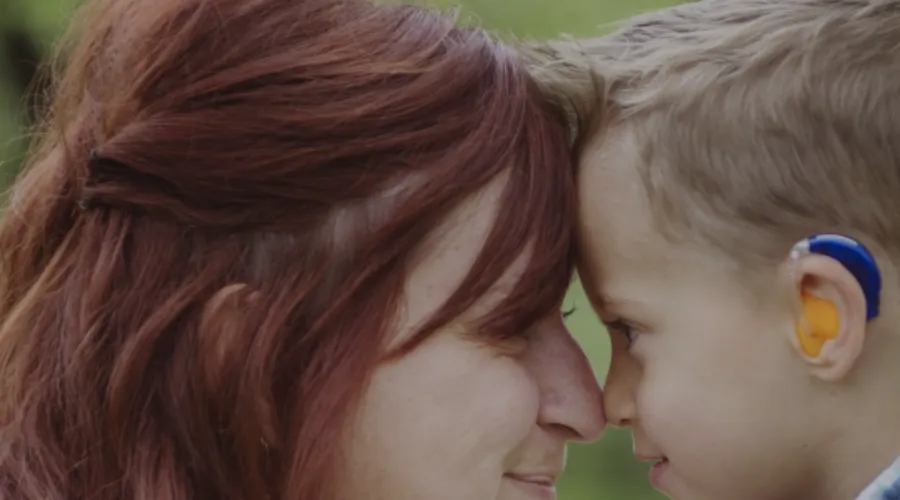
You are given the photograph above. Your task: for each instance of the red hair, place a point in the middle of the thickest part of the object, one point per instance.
(202, 261)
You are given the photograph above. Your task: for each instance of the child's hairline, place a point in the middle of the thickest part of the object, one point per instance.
(753, 270)
(624, 68)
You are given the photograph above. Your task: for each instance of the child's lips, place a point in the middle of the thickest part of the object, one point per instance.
(660, 466)
(658, 471)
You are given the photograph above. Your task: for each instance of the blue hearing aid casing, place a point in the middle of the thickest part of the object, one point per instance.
(856, 258)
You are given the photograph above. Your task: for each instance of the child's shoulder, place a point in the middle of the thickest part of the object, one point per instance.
(886, 486)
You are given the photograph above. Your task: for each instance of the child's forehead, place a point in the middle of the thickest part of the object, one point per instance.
(620, 239)
(613, 201)
(613, 145)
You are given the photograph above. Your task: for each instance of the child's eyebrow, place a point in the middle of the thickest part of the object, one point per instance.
(617, 305)
(609, 299)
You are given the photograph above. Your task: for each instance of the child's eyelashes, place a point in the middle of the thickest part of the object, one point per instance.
(623, 328)
(568, 312)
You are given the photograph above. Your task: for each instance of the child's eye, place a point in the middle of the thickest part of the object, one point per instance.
(625, 329)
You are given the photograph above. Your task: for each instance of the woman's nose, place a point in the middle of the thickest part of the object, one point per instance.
(571, 397)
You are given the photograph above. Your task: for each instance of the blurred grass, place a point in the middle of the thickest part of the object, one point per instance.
(600, 471)
(543, 18)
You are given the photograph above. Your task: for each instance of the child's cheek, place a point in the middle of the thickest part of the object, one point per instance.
(677, 409)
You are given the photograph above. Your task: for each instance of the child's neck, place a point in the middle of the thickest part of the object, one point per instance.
(862, 447)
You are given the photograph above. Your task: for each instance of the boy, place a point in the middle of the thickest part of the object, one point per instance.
(730, 131)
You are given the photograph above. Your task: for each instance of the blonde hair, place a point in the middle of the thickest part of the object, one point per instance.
(758, 122)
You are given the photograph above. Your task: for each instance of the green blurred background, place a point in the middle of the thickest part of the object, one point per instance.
(601, 471)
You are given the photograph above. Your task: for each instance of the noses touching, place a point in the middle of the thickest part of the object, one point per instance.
(571, 400)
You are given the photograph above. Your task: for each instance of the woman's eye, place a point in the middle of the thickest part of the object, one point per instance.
(622, 328)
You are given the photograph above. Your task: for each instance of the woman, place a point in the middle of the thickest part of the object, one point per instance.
(283, 249)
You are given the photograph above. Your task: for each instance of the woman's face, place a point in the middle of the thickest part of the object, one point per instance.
(460, 419)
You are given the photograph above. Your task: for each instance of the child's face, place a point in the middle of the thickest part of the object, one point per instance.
(702, 370)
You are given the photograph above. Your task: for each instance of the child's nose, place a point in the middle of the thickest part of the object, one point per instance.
(618, 396)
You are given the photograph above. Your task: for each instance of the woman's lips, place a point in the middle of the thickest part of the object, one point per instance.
(542, 487)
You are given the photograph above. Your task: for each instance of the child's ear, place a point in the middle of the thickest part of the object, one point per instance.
(830, 328)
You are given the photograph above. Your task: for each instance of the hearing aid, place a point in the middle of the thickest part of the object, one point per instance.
(821, 320)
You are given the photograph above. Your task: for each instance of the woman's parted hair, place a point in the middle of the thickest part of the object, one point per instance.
(205, 253)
